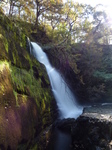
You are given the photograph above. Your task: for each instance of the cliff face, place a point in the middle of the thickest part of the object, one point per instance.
(26, 100)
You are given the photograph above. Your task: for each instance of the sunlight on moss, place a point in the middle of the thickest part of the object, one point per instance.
(24, 98)
(1, 36)
(15, 94)
(3, 64)
(2, 89)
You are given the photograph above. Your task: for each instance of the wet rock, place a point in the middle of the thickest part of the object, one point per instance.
(35, 72)
(93, 129)
(64, 124)
(44, 84)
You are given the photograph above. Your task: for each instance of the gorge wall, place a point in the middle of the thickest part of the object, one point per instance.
(26, 101)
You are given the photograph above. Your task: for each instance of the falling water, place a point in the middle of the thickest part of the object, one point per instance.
(66, 102)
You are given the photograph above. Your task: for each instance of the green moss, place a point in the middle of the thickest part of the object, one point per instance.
(6, 45)
(14, 58)
(1, 36)
(27, 57)
(23, 98)
(5, 42)
(24, 82)
(3, 64)
(35, 147)
(23, 85)
(43, 105)
(14, 35)
(15, 94)
(103, 75)
(2, 89)
(23, 40)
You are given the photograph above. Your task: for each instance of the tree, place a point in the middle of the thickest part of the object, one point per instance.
(26, 10)
(46, 6)
(100, 28)
(73, 22)
(3, 5)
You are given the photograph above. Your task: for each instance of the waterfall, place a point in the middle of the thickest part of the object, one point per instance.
(66, 102)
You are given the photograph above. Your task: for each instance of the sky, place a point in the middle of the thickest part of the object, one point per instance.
(94, 2)
(107, 4)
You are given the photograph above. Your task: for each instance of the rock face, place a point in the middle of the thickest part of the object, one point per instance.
(92, 130)
(26, 100)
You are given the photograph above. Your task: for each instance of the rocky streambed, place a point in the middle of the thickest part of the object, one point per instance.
(91, 131)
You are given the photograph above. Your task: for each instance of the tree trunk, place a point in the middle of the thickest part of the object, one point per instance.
(37, 13)
(10, 10)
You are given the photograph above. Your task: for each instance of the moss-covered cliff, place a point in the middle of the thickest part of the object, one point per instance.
(25, 95)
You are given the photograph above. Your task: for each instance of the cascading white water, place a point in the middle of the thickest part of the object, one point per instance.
(66, 102)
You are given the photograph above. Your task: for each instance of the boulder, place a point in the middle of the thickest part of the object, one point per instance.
(93, 129)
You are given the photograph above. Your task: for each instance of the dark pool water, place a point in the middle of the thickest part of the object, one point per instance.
(60, 141)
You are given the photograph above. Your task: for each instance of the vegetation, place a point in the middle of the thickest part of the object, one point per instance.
(25, 94)
(76, 38)
(72, 32)
(68, 22)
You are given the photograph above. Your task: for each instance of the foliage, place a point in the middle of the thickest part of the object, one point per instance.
(70, 21)
(103, 75)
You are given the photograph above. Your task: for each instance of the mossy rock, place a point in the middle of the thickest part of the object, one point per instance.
(25, 95)
(28, 111)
